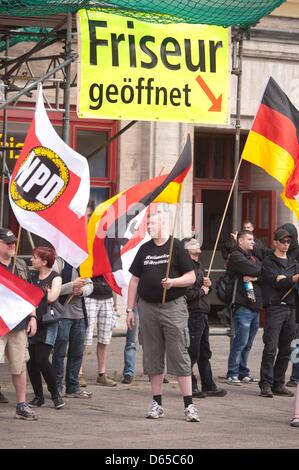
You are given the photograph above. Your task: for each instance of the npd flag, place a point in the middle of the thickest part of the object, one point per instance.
(273, 142)
(18, 299)
(49, 189)
(117, 228)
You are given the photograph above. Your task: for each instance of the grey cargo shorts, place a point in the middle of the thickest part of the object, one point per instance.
(164, 330)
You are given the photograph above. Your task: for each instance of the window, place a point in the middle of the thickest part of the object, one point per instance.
(88, 142)
(214, 156)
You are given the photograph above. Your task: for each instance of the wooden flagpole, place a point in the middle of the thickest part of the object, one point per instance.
(171, 248)
(223, 217)
(17, 249)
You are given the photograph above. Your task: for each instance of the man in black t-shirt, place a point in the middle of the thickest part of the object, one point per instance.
(163, 327)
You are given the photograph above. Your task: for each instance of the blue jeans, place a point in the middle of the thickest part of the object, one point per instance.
(131, 347)
(246, 324)
(295, 369)
(70, 340)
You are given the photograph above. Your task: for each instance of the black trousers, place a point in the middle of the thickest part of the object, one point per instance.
(279, 331)
(38, 366)
(200, 351)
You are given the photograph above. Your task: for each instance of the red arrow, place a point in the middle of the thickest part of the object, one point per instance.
(216, 102)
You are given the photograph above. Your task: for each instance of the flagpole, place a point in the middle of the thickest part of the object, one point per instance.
(170, 250)
(224, 215)
(17, 249)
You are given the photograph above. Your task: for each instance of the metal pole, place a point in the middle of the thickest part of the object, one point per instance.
(237, 70)
(39, 80)
(67, 85)
(4, 135)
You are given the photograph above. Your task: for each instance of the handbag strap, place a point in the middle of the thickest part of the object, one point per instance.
(234, 291)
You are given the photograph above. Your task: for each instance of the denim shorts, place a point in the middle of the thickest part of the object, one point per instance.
(164, 331)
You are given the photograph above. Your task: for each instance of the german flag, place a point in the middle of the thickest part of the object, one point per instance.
(117, 227)
(273, 140)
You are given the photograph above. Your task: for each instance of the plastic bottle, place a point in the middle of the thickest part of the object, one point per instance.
(249, 291)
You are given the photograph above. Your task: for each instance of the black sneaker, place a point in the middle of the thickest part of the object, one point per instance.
(58, 402)
(3, 398)
(36, 402)
(197, 394)
(291, 383)
(266, 391)
(219, 392)
(282, 391)
(128, 379)
(24, 412)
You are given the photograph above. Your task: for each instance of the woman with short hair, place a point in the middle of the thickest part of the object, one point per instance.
(41, 344)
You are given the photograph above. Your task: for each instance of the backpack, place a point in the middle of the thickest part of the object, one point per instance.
(225, 288)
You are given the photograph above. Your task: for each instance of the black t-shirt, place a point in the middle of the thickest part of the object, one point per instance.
(150, 266)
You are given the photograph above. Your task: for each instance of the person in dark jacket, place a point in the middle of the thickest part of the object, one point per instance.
(227, 247)
(293, 252)
(243, 266)
(280, 273)
(198, 324)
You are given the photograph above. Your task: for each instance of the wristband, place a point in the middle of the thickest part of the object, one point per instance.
(128, 310)
(33, 316)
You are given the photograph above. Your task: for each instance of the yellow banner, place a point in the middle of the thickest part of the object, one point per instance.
(131, 69)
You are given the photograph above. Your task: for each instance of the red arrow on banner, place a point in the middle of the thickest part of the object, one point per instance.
(216, 102)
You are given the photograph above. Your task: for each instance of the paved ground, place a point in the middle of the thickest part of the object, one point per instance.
(114, 417)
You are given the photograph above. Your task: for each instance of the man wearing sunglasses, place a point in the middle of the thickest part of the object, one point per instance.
(280, 273)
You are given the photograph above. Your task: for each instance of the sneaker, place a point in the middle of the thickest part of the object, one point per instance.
(36, 402)
(58, 402)
(128, 379)
(191, 414)
(105, 381)
(248, 380)
(219, 392)
(295, 422)
(233, 380)
(24, 412)
(266, 391)
(3, 398)
(197, 394)
(156, 411)
(291, 383)
(82, 381)
(282, 391)
(79, 394)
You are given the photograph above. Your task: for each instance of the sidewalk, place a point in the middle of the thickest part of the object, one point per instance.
(114, 417)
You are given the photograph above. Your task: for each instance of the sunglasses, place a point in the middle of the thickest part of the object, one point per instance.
(285, 241)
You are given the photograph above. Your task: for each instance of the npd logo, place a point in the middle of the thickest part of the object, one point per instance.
(40, 181)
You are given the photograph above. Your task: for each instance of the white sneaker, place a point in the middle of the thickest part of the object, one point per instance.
(156, 411)
(191, 414)
(233, 380)
(248, 380)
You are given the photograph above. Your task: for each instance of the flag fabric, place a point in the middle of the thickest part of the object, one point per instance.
(273, 142)
(18, 299)
(117, 227)
(49, 189)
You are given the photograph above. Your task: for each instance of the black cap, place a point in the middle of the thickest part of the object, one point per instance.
(281, 233)
(7, 235)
